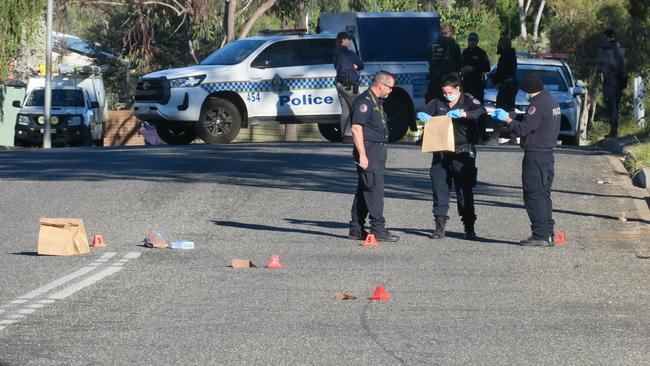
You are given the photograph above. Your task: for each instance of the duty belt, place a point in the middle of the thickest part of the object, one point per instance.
(467, 148)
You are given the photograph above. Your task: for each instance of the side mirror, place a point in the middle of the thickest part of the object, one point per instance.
(578, 90)
(16, 104)
(94, 104)
(580, 83)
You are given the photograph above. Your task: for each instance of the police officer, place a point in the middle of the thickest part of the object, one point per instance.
(539, 130)
(370, 135)
(444, 57)
(505, 75)
(612, 64)
(459, 166)
(474, 63)
(347, 64)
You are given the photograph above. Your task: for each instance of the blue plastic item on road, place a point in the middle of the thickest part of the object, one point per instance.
(182, 244)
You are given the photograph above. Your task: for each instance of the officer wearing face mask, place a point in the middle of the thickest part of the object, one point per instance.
(538, 130)
(459, 166)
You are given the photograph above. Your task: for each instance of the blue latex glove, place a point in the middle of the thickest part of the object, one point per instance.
(421, 116)
(456, 113)
(499, 114)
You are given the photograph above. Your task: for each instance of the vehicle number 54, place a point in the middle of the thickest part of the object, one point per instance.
(253, 97)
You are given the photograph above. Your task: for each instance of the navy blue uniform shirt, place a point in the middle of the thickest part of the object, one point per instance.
(540, 126)
(465, 129)
(344, 61)
(368, 112)
(476, 58)
(506, 67)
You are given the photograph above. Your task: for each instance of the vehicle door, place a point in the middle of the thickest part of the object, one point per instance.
(293, 78)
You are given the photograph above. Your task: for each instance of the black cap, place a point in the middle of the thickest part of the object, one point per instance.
(609, 32)
(472, 37)
(532, 83)
(343, 35)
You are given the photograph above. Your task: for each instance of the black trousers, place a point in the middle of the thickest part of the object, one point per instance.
(459, 169)
(537, 173)
(612, 91)
(369, 197)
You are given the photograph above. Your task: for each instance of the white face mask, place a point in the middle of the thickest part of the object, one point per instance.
(452, 97)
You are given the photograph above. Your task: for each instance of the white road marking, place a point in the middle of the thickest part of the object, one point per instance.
(16, 316)
(19, 301)
(46, 301)
(26, 311)
(85, 283)
(57, 283)
(101, 260)
(35, 306)
(8, 322)
(108, 255)
(132, 255)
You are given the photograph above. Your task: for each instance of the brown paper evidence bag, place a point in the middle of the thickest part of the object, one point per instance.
(438, 135)
(59, 236)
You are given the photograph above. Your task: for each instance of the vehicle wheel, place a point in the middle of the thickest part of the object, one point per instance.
(220, 121)
(399, 116)
(330, 131)
(176, 135)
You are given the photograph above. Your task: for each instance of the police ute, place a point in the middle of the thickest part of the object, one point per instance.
(288, 77)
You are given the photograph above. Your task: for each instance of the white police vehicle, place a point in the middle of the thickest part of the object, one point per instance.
(558, 80)
(289, 78)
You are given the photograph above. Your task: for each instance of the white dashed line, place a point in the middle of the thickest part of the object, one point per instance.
(85, 283)
(62, 294)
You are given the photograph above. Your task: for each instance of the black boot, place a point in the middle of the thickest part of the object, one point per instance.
(470, 234)
(439, 233)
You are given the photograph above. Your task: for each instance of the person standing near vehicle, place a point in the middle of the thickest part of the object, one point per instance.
(505, 78)
(347, 64)
(611, 63)
(370, 135)
(444, 57)
(539, 131)
(474, 64)
(459, 166)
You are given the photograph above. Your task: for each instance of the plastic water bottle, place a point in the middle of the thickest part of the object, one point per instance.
(182, 244)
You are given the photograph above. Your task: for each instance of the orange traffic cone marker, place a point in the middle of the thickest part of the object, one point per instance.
(560, 238)
(274, 262)
(380, 294)
(371, 241)
(98, 241)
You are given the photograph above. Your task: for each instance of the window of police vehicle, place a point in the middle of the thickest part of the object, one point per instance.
(300, 52)
(233, 53)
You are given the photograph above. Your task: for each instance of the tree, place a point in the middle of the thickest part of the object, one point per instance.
(18, 20)
(524, 8)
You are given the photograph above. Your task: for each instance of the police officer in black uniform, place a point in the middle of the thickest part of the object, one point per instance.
(370, 135)
(458, 167)
(444, 57)
(538, 130)
(474, 63)
(612, 64)
(505, 75)
(347, 64)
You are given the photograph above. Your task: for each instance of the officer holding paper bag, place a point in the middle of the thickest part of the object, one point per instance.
(459, 166)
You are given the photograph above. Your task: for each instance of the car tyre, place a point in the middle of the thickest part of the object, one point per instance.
(219, 122)
(176, 135)
(330, 131)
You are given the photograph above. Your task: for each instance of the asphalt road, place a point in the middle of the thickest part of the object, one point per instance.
(454, 302)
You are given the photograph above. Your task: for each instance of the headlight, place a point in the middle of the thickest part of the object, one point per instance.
(187, 82)
(566, 105)
(23, 120)
(54, 120)
(74, 121)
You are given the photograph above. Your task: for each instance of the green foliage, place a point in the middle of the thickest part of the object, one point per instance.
(18, 20)
(465, 20)
(383, 5)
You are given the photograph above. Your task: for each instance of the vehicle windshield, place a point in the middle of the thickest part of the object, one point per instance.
(233, 53)
(60, 98)
(552, 79)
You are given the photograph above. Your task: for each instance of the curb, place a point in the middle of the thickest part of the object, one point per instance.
(624, 147)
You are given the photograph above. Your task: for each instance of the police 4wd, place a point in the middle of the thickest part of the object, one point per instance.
(289, 78)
